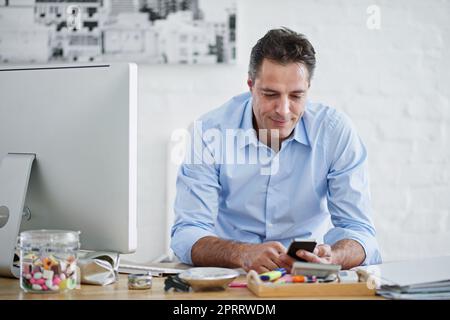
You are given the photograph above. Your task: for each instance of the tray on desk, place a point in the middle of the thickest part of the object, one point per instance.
(332, 289)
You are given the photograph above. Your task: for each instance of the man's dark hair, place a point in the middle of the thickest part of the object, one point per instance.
(282, 46)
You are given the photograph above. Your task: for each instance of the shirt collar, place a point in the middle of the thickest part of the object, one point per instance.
(247, 134)
(300, 135)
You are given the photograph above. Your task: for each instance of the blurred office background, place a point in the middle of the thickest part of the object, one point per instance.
(384, 63)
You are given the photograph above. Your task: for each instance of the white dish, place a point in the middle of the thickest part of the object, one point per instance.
(206, 278)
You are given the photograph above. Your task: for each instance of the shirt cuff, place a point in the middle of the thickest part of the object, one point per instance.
(368, 242)
(183, 240)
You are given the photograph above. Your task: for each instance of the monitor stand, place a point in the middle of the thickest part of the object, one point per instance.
(15, 172)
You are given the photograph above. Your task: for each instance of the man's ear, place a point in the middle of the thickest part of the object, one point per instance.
(250, 84)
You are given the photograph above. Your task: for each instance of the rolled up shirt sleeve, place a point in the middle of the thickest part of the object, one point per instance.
(348, 190)
(196, 202)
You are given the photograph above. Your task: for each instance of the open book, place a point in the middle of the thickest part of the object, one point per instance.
(98, 267)
(113, 258)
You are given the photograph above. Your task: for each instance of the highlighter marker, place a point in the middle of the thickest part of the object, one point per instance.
(272, 275)
(304, 279)
(287, 278)
(298, 279)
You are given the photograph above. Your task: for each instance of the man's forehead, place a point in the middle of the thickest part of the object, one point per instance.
(272, 74)
(271, 65)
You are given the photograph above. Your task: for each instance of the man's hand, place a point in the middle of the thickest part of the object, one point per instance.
(347, 253)
(212, 251)
(321, 254)
(263, 257)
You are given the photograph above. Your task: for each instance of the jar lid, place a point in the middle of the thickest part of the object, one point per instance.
(140, 281)
(140, 276)
(50, 238)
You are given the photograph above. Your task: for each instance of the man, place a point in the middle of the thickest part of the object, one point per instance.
(236, 215)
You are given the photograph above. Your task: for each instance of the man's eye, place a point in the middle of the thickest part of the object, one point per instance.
(270, 94)
(297, 97)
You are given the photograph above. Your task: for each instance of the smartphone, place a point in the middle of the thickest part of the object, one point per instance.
(304, 244)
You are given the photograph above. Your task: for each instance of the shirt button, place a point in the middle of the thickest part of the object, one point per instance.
(270, 225)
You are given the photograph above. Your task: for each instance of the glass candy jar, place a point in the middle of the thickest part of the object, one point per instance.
(48, 260)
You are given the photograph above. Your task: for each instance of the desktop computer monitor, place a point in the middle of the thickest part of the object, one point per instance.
(79, 122)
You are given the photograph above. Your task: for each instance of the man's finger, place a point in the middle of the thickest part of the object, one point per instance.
(324, 251)
(270, 264)
(279, 247)
(272, 253)
(286, 262)
(316, 250)
(308, 256)
(261, 269)
(286, 259)
(283, 264)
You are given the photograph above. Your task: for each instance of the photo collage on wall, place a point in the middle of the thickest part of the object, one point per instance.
(143, 31)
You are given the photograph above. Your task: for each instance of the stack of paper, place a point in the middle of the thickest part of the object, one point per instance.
(424, 291)
(413, 279)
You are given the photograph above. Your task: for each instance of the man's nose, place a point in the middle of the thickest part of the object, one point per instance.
(283, 106)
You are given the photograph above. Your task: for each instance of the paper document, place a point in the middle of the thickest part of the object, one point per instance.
(156, 270)
(427, 278)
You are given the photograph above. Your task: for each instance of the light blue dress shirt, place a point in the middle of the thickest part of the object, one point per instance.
(318, 188)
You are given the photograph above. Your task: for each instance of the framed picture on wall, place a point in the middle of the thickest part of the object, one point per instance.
(143, 31)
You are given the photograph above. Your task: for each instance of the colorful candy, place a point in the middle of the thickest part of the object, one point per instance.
(36, 287)
(48, 273)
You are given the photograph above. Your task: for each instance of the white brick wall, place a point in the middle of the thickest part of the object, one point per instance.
(393, 83)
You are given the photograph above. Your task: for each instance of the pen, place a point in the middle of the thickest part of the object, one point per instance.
(272, 275)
